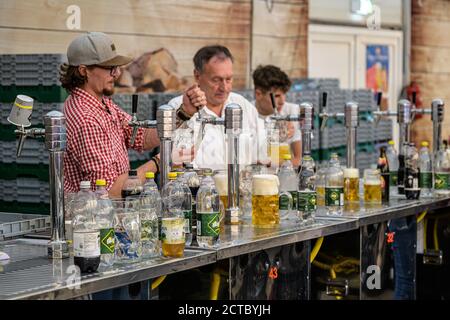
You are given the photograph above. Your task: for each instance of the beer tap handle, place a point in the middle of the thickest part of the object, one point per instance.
(324, 115)
(274, 106)
(414, 98)
(134, 104)
(378, 113)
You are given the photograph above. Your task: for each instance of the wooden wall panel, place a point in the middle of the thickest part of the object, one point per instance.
(430, 59)
(253, 34)
(280, 35)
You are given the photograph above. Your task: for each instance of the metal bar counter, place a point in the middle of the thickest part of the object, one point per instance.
(29, 274)
(397, 207)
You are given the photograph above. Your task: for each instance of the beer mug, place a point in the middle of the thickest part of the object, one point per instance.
(266, 200)
(372, 186)
(351, 185)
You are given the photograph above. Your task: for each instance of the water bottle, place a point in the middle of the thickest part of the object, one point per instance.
(193, 181)
(426, 170)
(208, 213)
(288, 183)
(86, 234)
(150, 214)
(104, 218)
(334, 186)
(172, 221)
(392, 158)
(186, 207)
(441, 173)
(307, 195)
(412, 189)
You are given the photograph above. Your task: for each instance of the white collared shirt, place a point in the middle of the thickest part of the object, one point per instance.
(211, 150)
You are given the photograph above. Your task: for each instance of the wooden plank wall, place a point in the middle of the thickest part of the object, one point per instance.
(430, 59)
(138, 26)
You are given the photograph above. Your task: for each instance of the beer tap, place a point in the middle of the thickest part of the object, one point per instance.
(437, 117)
(378, 113)
(55, 143)
(166, 125)
(233, 127)
(351, 122)
(135, 123)
(306, 126)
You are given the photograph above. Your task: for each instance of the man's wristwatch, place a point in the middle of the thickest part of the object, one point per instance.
(182, 115)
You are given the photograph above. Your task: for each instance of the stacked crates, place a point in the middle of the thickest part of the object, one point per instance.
(24, 180)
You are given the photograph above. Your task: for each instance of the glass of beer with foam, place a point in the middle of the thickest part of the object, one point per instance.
(372, 186)
(265, 200)
(351, 185)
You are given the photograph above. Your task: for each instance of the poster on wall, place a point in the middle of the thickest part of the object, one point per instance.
(377, 68)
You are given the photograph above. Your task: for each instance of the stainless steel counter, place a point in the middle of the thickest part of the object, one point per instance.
(30, 275)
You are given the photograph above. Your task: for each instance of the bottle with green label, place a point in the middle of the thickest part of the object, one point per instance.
(150, 215)
(334, 186)
(441, 173)
(208, 213)
(392, 159)
(307, 195)
(288, 184)
(186, 207)
(104, 218)
(426, 171)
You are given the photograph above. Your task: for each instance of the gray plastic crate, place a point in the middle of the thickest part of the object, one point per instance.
(383, 130)
(365, 132)
(333, 136)
(14, 224)
(28, 190)
(30, 69)
(33, 152)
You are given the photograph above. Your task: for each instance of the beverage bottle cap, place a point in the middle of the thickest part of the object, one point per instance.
(100, 182)
(150, 175)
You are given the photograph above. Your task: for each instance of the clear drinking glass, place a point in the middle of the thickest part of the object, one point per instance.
(372, 186)
(127, 230)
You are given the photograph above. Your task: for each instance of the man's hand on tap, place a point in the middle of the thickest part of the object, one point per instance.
(193, 99)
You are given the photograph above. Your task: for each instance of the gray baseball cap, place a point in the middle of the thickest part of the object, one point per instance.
(94, 48)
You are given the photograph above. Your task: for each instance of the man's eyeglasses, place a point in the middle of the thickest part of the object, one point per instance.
(112, 69)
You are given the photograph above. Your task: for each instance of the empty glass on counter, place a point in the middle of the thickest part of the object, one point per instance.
(372, 186)
(127, 229)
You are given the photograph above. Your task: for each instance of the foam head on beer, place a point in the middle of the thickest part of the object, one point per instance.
(221, 182)
(351, 173)
(265, 184)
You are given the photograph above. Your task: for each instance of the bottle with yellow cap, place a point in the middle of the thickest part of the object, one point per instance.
(104, 215)
(426, 170)
(172, 221)
(288, 185)
(150, 216)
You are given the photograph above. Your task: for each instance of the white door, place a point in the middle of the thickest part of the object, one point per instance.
(342, 53)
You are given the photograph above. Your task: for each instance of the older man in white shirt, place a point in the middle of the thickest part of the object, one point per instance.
(214, 77)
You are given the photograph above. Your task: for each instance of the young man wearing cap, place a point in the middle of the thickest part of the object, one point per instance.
(213, 73)
(98, 134)
(271, 79)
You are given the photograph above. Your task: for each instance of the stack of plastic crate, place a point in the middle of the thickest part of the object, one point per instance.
(383, 131)
(37, 76)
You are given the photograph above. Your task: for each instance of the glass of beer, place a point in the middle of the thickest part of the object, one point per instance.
(351, 185)
(372, 186)
(276, 151)
(221, 181)
(265, 200)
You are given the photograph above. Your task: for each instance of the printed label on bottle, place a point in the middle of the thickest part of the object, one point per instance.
(172, 230)
(307, 201)
(149, 230)
(334, 196)
(107, 241)
(441, 181)
(394, 178)
(426, 180)
(187, 221)
(284, 202)
(86, 244)
(208, 224)
(124, 243)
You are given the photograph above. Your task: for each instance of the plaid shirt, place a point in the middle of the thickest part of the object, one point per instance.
(98, 137)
